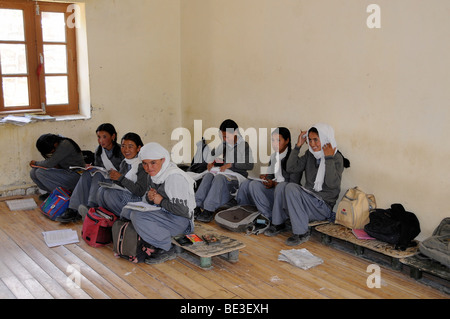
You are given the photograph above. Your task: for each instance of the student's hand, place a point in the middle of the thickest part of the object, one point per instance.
(32, 163)
(328, 150)
(224, 167)
(302, 138)
(114, 175)
(209, 166)
(154, 197)
(270, 183)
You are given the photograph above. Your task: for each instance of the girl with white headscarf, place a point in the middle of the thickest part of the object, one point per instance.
(172, 191)
(322, 166)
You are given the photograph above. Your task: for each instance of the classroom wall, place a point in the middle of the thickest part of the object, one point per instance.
(294, 63)
(134, 74)
(155, 65)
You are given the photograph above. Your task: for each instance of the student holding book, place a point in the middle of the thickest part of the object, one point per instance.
(233, 155)
(108, 155)
(171, 190)
(131, 178)
(262, 193)
(59, 154)
(322, 165)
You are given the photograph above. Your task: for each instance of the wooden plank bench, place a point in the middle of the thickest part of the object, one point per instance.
(332, 230)
(419, 264)
(201, 253)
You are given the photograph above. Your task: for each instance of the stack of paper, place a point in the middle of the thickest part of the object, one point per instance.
(60, 237)
(21, 204)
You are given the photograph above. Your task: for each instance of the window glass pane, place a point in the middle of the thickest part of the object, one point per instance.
(15, 91)
(56, 89)
(55, 58)
(13, 59)
(53, 27)
(11, 25)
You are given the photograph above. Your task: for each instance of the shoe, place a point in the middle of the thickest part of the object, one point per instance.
(83, 210)
(295, 239)
(197, 211)
(206, 216)
(274, 230)
(70, 215)
(161, 255)
(43, 197)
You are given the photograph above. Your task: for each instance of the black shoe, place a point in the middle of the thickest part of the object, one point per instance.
(274, 230)
(43, 197)
(295, 239)
(206, 216)
(160, 256)
(70, 215)
(197, 211)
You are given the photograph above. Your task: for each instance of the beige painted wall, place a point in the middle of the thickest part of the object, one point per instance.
(297, 62)
(267, 63)
(134, 70)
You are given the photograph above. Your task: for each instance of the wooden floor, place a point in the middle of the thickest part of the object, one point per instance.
(29, 269)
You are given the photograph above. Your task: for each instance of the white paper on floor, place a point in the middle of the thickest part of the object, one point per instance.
(301, 258)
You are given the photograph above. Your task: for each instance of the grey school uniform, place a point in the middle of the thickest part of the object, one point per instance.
(115, 199)
(216, 191)
(158, 227)
(58, 172)
(303, 205)
(85, 193)
(253, 192)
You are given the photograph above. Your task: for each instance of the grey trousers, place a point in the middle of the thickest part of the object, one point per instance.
(301, 207)
(255, 193)
(49, 179)
(85, 193)
(215, 191)
(158, 227)
(115, 199)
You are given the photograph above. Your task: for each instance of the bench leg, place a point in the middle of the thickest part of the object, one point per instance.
(205, 262)
(232, 256)
(326, 240)
(415, 273)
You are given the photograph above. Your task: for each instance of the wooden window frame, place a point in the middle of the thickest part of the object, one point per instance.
(32, 11)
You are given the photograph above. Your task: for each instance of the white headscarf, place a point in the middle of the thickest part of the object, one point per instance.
(326, 135)
(154, 151)
(132, 173)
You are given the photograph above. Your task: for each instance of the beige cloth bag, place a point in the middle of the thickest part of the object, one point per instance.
(354, 208)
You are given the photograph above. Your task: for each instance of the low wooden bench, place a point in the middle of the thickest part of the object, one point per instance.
(332, 230)
(201, 254)
(419, 264)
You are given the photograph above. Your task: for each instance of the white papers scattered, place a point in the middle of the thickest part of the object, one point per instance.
(60, 237)
(301, 258)
(21, 204)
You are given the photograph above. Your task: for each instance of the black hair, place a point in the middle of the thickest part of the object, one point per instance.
(108, 127)
(46, 143)
(286, 134)
(228, 124)
(346, 160)
(133, 137)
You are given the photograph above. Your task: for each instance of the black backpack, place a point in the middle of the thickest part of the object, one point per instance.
(394, 226)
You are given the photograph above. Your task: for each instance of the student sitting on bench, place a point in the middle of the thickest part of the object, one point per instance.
(59, 154)
(323, 166)
(235, 155)
(172, 191)
(262, 194)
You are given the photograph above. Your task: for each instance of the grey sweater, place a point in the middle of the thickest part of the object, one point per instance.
(64, 156)
(140, 187)
(334, 166)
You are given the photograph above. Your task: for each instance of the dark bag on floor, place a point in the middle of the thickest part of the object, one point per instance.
(126, 241)
(56, 203)
(437, 246)
(244, 218)
(97, 227)
(394, 226)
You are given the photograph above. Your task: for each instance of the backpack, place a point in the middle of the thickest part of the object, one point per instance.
(437, 246)
(354, 208)
(394, 226)
(244, 218)
(56, 203)
(97, 227)
(126, 241)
